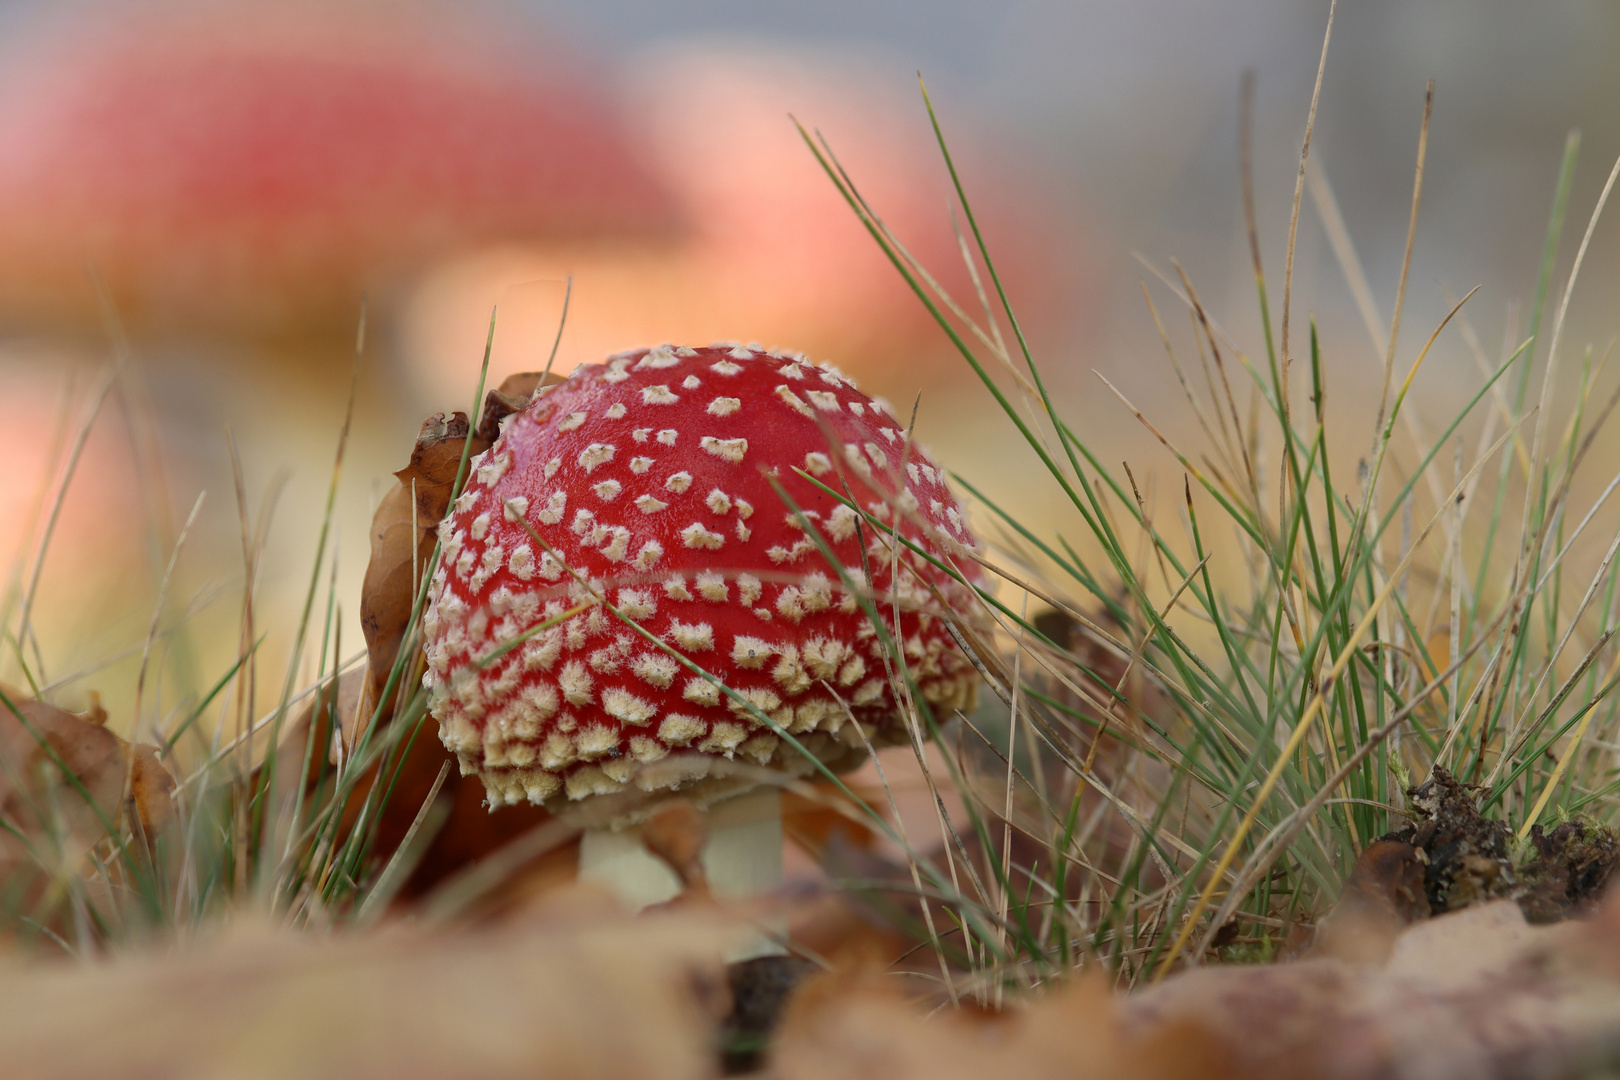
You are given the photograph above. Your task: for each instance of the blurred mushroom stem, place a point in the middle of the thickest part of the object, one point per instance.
(741, 861)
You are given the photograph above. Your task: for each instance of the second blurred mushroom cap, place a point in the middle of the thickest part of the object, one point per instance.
(251, 168)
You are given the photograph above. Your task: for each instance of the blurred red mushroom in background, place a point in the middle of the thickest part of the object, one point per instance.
(252, 168)
(239, 175)
(771, 252)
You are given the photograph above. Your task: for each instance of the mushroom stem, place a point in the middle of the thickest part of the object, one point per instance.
(742, 860)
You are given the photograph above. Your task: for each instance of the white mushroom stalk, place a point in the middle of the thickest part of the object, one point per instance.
(742, 861)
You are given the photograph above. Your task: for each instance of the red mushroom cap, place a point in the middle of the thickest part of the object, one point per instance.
(650, 478)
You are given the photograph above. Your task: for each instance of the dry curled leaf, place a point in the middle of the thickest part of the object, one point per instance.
(1383, 896)
(40, 745)
(461, 833)
(1473, 995)
(330, 731)
(576, 990)
(67, 784)
(402, 537)
(858, 1025)
(677, 834)
(404, 531)
(817, 811)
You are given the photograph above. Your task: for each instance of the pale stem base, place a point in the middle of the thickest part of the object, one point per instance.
(743, 860)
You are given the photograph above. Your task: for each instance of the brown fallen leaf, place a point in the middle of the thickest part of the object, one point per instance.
(463, 833)
(858, 1025)
(67, 785)
(1383, 896)
(810, 820)
(333, 708)
(38, 741)
(402, 538)
(578, 989)
(404, 530)
(1477, 994)
(677, 835)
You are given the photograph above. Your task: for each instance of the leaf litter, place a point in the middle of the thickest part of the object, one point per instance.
(66, 783)
(574, 989)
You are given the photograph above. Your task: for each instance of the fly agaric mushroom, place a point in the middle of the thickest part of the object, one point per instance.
(640, 493)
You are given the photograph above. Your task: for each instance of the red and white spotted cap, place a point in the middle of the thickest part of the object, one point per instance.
(650, 478)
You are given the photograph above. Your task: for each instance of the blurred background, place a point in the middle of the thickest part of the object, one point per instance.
(203, 193)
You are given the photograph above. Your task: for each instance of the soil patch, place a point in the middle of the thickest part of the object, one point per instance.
(1573, 867)
(760, 989)
(1467, 857)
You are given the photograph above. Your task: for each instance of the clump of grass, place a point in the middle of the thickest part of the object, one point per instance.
(1269, 706)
